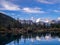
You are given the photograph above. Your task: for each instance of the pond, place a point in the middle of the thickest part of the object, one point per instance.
(36, 40)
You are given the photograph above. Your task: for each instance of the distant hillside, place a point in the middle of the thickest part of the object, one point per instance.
(6, 21)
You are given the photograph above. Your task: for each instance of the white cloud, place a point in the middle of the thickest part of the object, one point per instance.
(33, 10)
(58, 18)
(44, 1)
(49, 1)
(6, 5)
(56, 10)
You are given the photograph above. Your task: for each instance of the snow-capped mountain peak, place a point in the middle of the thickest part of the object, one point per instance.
(38, 20)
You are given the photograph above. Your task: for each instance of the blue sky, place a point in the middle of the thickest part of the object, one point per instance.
(25, 9)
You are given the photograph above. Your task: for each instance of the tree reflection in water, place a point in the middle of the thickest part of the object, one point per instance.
(36, 40)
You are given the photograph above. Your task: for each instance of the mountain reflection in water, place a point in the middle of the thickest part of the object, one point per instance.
(36, 40)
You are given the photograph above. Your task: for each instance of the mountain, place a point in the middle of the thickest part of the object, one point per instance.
(7, 21)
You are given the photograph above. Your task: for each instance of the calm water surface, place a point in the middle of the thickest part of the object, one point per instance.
(37, 40)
